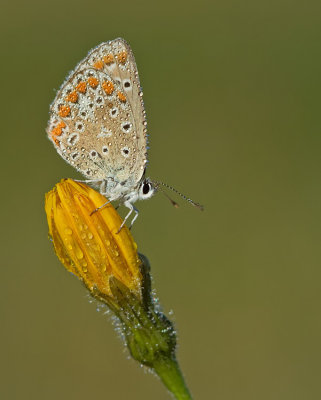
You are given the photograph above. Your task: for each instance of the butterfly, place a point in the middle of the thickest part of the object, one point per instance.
(98, 125)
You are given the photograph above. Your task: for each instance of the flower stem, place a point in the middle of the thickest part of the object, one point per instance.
(168, 371)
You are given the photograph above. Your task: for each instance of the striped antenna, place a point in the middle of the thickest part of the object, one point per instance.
(157, 184)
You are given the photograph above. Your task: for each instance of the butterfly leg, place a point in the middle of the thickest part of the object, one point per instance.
(87, 180)
(99, 208)
(131, 209)
(103, 191)
(135, 217)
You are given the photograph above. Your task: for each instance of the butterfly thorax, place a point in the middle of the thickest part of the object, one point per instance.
(126, 192)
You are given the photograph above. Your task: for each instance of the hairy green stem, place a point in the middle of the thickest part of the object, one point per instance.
(168, 371)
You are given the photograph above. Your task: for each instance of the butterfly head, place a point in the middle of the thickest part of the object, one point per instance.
(146, 189)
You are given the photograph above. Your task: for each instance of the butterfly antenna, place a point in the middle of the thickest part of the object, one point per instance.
(176, 205)
(180, 194)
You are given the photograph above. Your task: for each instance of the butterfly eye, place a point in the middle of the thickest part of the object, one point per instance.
(146, 188)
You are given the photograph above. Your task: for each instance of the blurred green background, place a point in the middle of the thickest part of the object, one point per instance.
(232, 93)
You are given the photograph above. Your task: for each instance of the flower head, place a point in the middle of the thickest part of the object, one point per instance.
(89, 245)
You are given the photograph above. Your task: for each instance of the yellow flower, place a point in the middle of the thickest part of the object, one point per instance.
(89, 245)
(107, 262)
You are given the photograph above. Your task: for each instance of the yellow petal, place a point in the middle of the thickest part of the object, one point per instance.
(89, 245)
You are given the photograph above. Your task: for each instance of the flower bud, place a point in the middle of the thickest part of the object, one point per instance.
(87, 244)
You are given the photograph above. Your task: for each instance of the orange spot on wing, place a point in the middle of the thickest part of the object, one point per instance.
(72, 97)
(108, 59)
(122, 57)
(57, 131)
(121, 97)
(81, 87)
(108, 87)
(99, 64)
(93, 82)
(64, 111)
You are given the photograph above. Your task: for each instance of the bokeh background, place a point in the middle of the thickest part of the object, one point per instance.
(232, 93)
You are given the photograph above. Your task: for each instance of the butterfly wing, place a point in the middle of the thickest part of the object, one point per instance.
(97, 121)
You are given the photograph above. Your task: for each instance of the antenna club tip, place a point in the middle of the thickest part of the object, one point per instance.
(199, 206)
